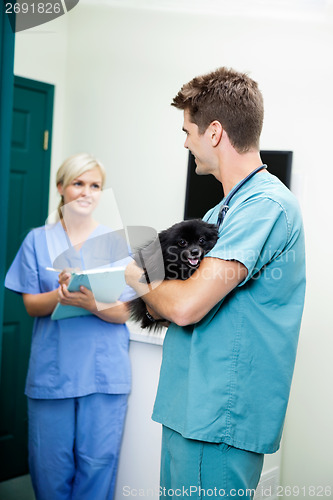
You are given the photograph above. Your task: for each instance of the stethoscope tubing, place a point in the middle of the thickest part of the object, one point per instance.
(225, 207)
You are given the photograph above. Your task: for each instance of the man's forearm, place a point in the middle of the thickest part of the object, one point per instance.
(187, 302)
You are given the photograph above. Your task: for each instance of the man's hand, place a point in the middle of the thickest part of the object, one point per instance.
(156, 316)
(132, 273)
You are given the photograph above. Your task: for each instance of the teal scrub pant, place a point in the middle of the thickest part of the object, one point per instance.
(200, 470)
(74, 446)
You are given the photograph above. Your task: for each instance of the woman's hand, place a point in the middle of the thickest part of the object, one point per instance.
(83, 298)
(65, 276)
(43, 304)
(111, 313)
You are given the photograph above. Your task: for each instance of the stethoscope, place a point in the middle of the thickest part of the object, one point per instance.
(225, 207)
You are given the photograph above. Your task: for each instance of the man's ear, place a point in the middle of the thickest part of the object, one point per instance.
(216, 131)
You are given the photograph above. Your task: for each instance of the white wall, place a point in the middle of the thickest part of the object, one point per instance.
(124, 65)
(139, 463)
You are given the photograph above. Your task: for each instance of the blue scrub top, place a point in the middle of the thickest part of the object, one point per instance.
(77, 356)
(227, 378)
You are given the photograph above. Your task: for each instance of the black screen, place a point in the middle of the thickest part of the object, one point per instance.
(204, 191)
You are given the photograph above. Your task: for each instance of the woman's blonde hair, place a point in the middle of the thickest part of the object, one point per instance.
(73, 167)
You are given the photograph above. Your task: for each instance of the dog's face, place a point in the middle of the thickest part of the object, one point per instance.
(184, 245)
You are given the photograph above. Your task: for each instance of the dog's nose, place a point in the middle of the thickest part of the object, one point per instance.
(195, 252)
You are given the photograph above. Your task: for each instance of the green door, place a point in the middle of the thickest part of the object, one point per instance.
(28, 204)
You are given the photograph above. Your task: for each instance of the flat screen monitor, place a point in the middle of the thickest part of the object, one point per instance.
(204, 191)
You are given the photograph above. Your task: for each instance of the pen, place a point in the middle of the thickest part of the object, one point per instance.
(52, 269)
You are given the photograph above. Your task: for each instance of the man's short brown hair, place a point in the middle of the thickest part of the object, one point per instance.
(230, 97)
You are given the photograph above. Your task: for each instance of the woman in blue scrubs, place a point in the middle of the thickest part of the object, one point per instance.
(79, 372)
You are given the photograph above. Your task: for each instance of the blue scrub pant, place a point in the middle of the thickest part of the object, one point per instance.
(199, 470)
(74, 446)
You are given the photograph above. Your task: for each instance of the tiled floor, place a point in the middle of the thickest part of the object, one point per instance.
(19, 488)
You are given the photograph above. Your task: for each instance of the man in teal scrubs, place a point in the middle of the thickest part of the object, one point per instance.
(229, 353)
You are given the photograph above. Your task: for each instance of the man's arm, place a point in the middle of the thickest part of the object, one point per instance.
(187, 302)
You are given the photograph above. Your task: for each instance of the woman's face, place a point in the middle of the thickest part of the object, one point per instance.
(82, 195)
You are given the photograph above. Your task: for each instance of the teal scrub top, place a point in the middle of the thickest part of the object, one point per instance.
(77, 356)
(227, 378)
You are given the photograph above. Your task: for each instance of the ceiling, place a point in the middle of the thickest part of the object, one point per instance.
(290, 8)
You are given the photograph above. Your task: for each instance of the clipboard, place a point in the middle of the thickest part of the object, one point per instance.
(107, 284)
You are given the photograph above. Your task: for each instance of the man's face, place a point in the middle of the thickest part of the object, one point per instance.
(199, 145)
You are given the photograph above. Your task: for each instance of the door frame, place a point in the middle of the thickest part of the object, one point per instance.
(7, 42)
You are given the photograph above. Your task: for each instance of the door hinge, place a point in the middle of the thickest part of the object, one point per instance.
(46, 140)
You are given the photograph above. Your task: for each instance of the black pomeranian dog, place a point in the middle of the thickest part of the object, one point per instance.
(174, 255)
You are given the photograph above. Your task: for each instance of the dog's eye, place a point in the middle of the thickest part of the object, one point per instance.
(182, 243)
(202, 241)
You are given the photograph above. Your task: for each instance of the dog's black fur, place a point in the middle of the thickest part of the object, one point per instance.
(183, 246)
